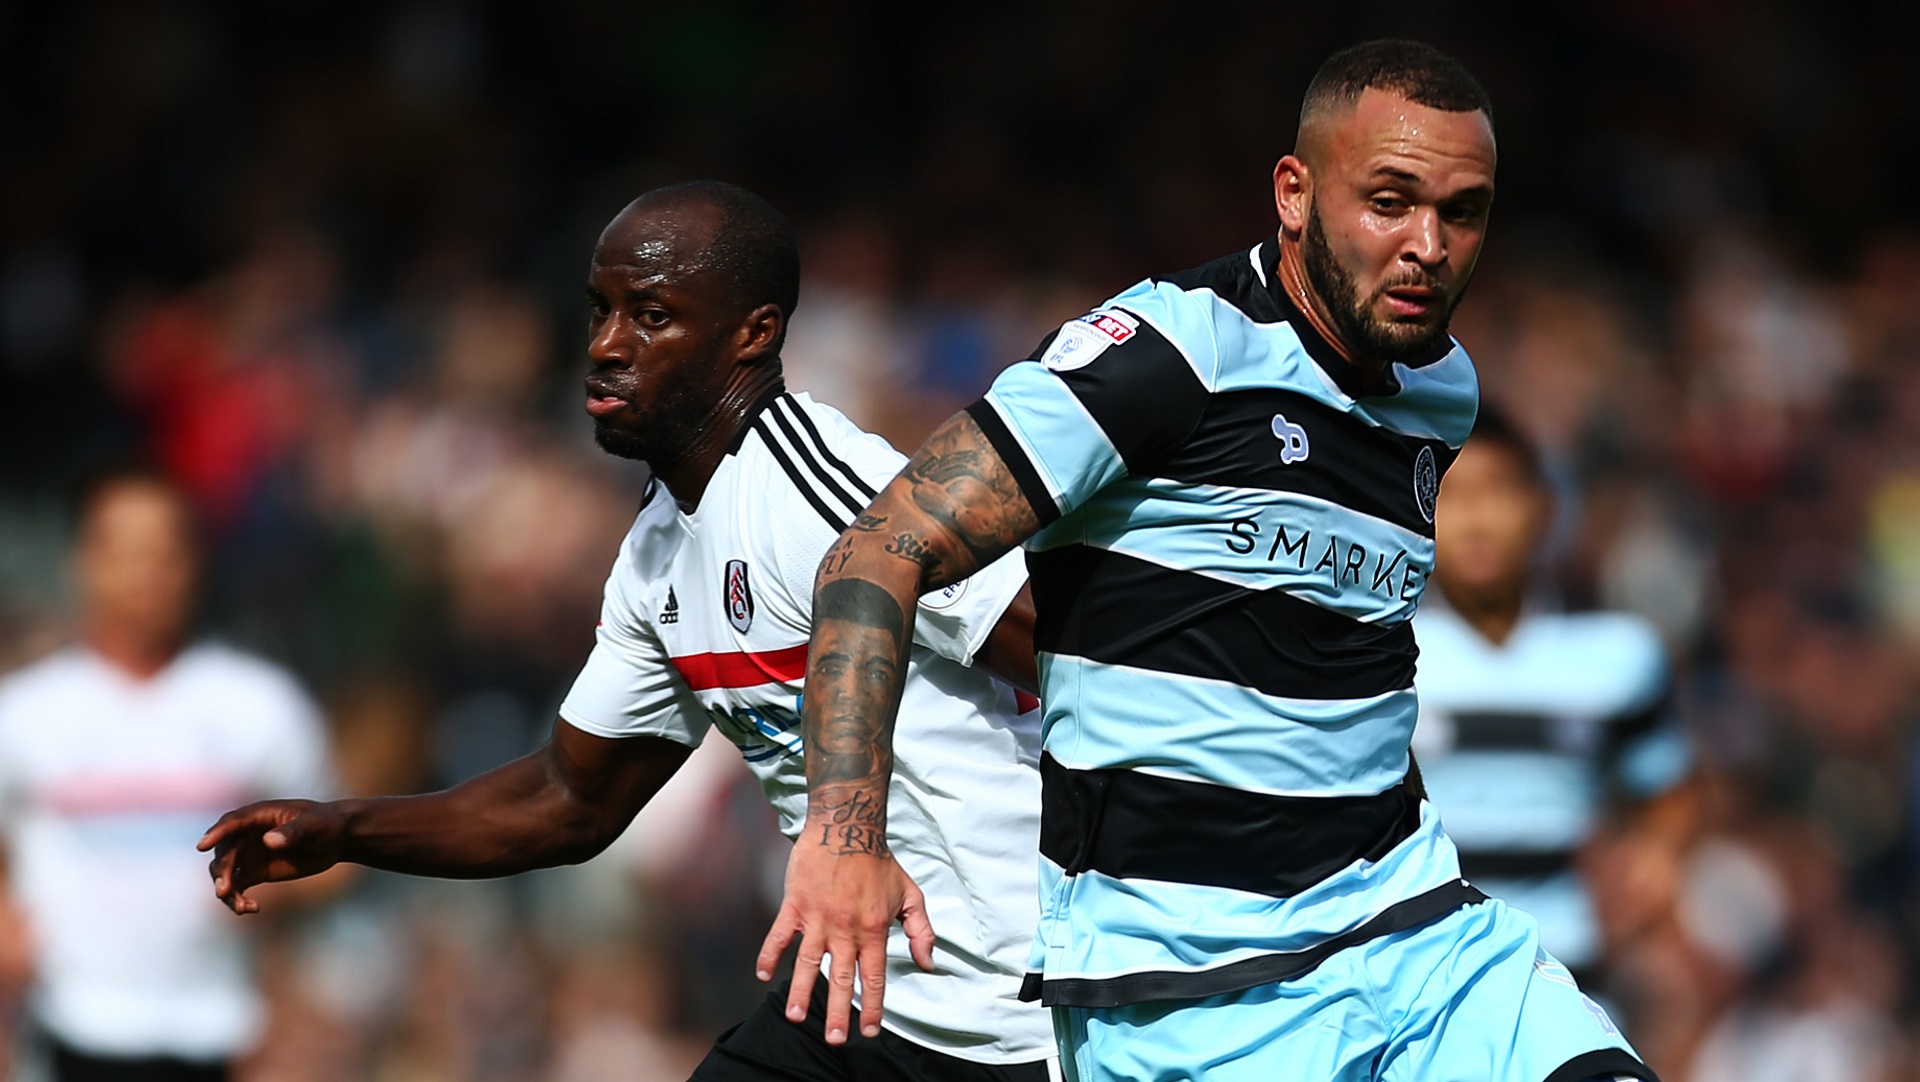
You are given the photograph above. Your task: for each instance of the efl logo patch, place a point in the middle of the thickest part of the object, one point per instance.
(738, 598)
(1293, 440)
(946, 597)
(1081, 340)
(1426, 482)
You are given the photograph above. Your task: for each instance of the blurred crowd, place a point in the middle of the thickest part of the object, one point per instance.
(323, 263)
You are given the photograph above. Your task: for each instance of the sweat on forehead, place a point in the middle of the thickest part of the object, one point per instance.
(659, 235)
(709, 225)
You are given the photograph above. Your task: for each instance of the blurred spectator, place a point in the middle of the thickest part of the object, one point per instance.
(1531, 720)
(114, 754)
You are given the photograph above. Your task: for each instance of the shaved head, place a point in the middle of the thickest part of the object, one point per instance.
(710, 228)
(1412, 70)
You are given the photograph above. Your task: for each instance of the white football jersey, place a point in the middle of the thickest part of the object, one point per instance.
(106, 781)
(706, 622)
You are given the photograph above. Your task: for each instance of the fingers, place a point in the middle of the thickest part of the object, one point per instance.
(840, 993)
(873, 985)
(228, 824)
(779, 937)
(806, 969)
(227, 882)
(919, 928)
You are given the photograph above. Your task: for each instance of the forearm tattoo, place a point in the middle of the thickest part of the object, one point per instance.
(959, 481)
(961, 510)
(855, 673)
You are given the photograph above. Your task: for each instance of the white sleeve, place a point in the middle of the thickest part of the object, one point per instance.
(300, 763)
(954, 621)
(628, 687)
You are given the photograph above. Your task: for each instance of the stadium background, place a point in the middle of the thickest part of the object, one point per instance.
(325, 261)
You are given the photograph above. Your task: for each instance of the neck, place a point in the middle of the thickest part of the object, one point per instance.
(688, 471)
(1293, 278)
(140, 657)
(1493, 613)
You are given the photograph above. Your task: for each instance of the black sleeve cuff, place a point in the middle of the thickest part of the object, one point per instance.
(1018, 464)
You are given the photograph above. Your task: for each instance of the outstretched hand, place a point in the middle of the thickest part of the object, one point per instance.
(842, 906)
(270, 842)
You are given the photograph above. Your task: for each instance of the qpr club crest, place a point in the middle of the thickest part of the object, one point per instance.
(1426, 482)
(738, 598)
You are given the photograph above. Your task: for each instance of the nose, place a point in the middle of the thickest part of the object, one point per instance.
(603, 342)
(1426, 242)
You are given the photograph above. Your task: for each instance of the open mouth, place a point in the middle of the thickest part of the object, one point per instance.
(601, 401)
(1413, 301)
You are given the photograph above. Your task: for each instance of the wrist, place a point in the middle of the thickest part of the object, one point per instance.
(848, 823)
(350, 815)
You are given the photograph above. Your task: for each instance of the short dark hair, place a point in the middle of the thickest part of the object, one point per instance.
(1493, 428)
(101, 476)
(1414, 70)
(754, 248)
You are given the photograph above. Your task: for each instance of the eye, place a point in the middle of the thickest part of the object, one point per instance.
(1388, 203)
(1465, 213)
(651, 317)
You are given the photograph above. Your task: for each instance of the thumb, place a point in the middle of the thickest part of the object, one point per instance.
(919, 929)
(291, 833)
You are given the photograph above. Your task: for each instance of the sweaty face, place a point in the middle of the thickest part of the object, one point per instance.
(137, 563)
(1397, 216)
(1490, 516)
(657, 325)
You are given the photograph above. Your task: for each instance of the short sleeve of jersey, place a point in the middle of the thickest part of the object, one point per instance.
(1649, 752)
(300, 764)
(1109, 394)
(953, 622)
(628, 687)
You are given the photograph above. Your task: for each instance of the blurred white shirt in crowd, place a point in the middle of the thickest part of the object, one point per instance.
(106, 782)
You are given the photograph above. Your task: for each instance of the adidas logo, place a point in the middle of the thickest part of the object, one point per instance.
(671, 614)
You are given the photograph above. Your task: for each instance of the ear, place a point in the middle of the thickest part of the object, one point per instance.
(1292, 191)
(759, 333)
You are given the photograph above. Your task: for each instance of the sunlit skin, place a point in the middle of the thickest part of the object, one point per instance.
(137, 566)
(1398, 193)
(1382, 213)
(671, 351)
(1491, 517)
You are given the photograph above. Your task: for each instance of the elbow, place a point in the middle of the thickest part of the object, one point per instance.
(583, 834)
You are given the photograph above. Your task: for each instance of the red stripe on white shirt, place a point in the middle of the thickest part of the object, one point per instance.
(704, 672)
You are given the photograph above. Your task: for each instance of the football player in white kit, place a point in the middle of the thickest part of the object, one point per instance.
(705, 623)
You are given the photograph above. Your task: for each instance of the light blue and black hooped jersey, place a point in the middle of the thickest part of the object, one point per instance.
(1524, 742)
(1234, 539)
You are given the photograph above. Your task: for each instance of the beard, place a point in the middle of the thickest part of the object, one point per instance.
(1372, 337)
(621, 442)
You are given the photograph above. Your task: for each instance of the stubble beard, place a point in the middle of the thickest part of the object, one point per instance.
(1353, 319)
(621, 443)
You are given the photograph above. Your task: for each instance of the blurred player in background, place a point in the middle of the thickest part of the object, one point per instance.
(705, 624)
(1226, 480)
(113, 753)
(1531, 720)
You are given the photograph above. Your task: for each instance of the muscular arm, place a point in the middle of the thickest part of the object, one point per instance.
(954, 509)
(559, 805)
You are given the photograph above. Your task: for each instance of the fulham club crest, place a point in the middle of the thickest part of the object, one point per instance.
(738, 599)
(1426, 482)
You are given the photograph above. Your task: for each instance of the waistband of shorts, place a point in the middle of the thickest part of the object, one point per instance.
(1145, 985)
